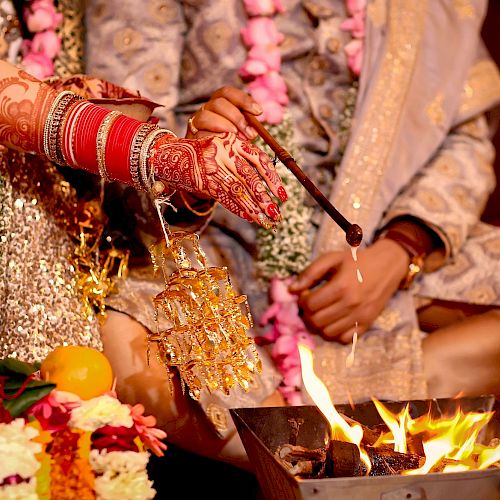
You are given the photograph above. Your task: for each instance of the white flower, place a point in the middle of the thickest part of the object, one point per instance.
(101, 411)
(17, 450)
(21, 491)
(121, 475)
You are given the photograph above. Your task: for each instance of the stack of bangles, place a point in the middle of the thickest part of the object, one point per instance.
(80, 134)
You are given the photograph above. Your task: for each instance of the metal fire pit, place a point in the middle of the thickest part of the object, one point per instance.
(263, 430)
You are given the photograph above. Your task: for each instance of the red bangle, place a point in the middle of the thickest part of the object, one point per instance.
(118, 146)
(85, 135)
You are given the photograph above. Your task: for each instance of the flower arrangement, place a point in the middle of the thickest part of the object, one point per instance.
(60, 446)
(261, 71)
(292, 238)
(40, 50)
(356, 25)
(261, 68)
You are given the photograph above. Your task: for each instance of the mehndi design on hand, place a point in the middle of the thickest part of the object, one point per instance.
(230, 170)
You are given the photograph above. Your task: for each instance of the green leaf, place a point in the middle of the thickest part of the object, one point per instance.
(35, 391)
(8, 366)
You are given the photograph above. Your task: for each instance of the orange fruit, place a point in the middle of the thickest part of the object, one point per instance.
(84, 371)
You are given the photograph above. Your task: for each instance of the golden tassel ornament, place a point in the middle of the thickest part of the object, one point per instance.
(206, 340)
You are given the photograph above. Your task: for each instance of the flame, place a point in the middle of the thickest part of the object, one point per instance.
(340, 429)
(449, 442)
(397, 426)
(453, 438)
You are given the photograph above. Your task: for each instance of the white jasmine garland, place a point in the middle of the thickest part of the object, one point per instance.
(287, 250)
(121, 475)
(21, 491)
(101, 411)
(18, 450)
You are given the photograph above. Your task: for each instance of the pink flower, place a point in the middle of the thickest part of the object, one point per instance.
(38, 65)
(354, 52)
(42, 15)
(269, 87)
(261, 31)
(144, 426)
(270, 91)
(287, 331)
(260, 60)
(355, 24)
(47, 43)
(263, 7)
(114, 438)
(355, 6)
(54, 410)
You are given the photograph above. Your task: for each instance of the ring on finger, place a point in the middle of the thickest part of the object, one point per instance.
(191, 126)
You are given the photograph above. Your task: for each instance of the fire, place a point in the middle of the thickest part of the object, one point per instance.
(340, 429)
(449, 442)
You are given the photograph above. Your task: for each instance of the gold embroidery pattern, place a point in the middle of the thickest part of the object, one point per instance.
(435, 110)
(217, 415)
(369, 153)
(70, 59)
(465, 9)
(388, 319)
(482, 86)
(377, 13)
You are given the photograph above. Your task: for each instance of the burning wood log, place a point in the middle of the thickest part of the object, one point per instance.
(372, 434)
(302, 462)
(345, 460)
(342, 459)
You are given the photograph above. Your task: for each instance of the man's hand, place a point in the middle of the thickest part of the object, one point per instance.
(332, 298)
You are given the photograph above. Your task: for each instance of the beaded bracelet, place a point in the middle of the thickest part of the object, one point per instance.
(147, 177)
(135, 152)
(101, 140)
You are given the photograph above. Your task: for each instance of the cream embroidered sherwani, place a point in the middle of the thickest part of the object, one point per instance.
(418, 146)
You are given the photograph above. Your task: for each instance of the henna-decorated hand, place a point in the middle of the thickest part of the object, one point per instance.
(232, 171)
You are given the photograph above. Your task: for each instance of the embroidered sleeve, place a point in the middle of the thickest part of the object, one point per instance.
(450, 193)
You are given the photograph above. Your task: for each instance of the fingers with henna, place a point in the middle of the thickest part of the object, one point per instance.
(263, 164)
(257, 189)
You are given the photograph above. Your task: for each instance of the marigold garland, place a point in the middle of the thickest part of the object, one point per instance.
(62, 447)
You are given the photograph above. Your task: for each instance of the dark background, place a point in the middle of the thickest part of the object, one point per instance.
(491, 36)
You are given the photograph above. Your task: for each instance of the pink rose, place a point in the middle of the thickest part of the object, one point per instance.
(355, 24)
(261, 31)
(42, 15)
(354, 52)
(38, 65)
(260, 60)
(355, 6)
(47, 43)
(263, 7)
(271, 101)
(270, 86)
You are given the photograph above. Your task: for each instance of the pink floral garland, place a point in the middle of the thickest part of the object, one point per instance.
(262, 66)
(42, 19)
(356, 25)
(261, 71)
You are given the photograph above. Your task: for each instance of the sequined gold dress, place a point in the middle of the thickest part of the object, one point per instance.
(40, 308)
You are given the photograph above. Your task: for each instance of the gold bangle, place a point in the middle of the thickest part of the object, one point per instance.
(102, 139)
(147, 177)
(194, 211)
(52, 126)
